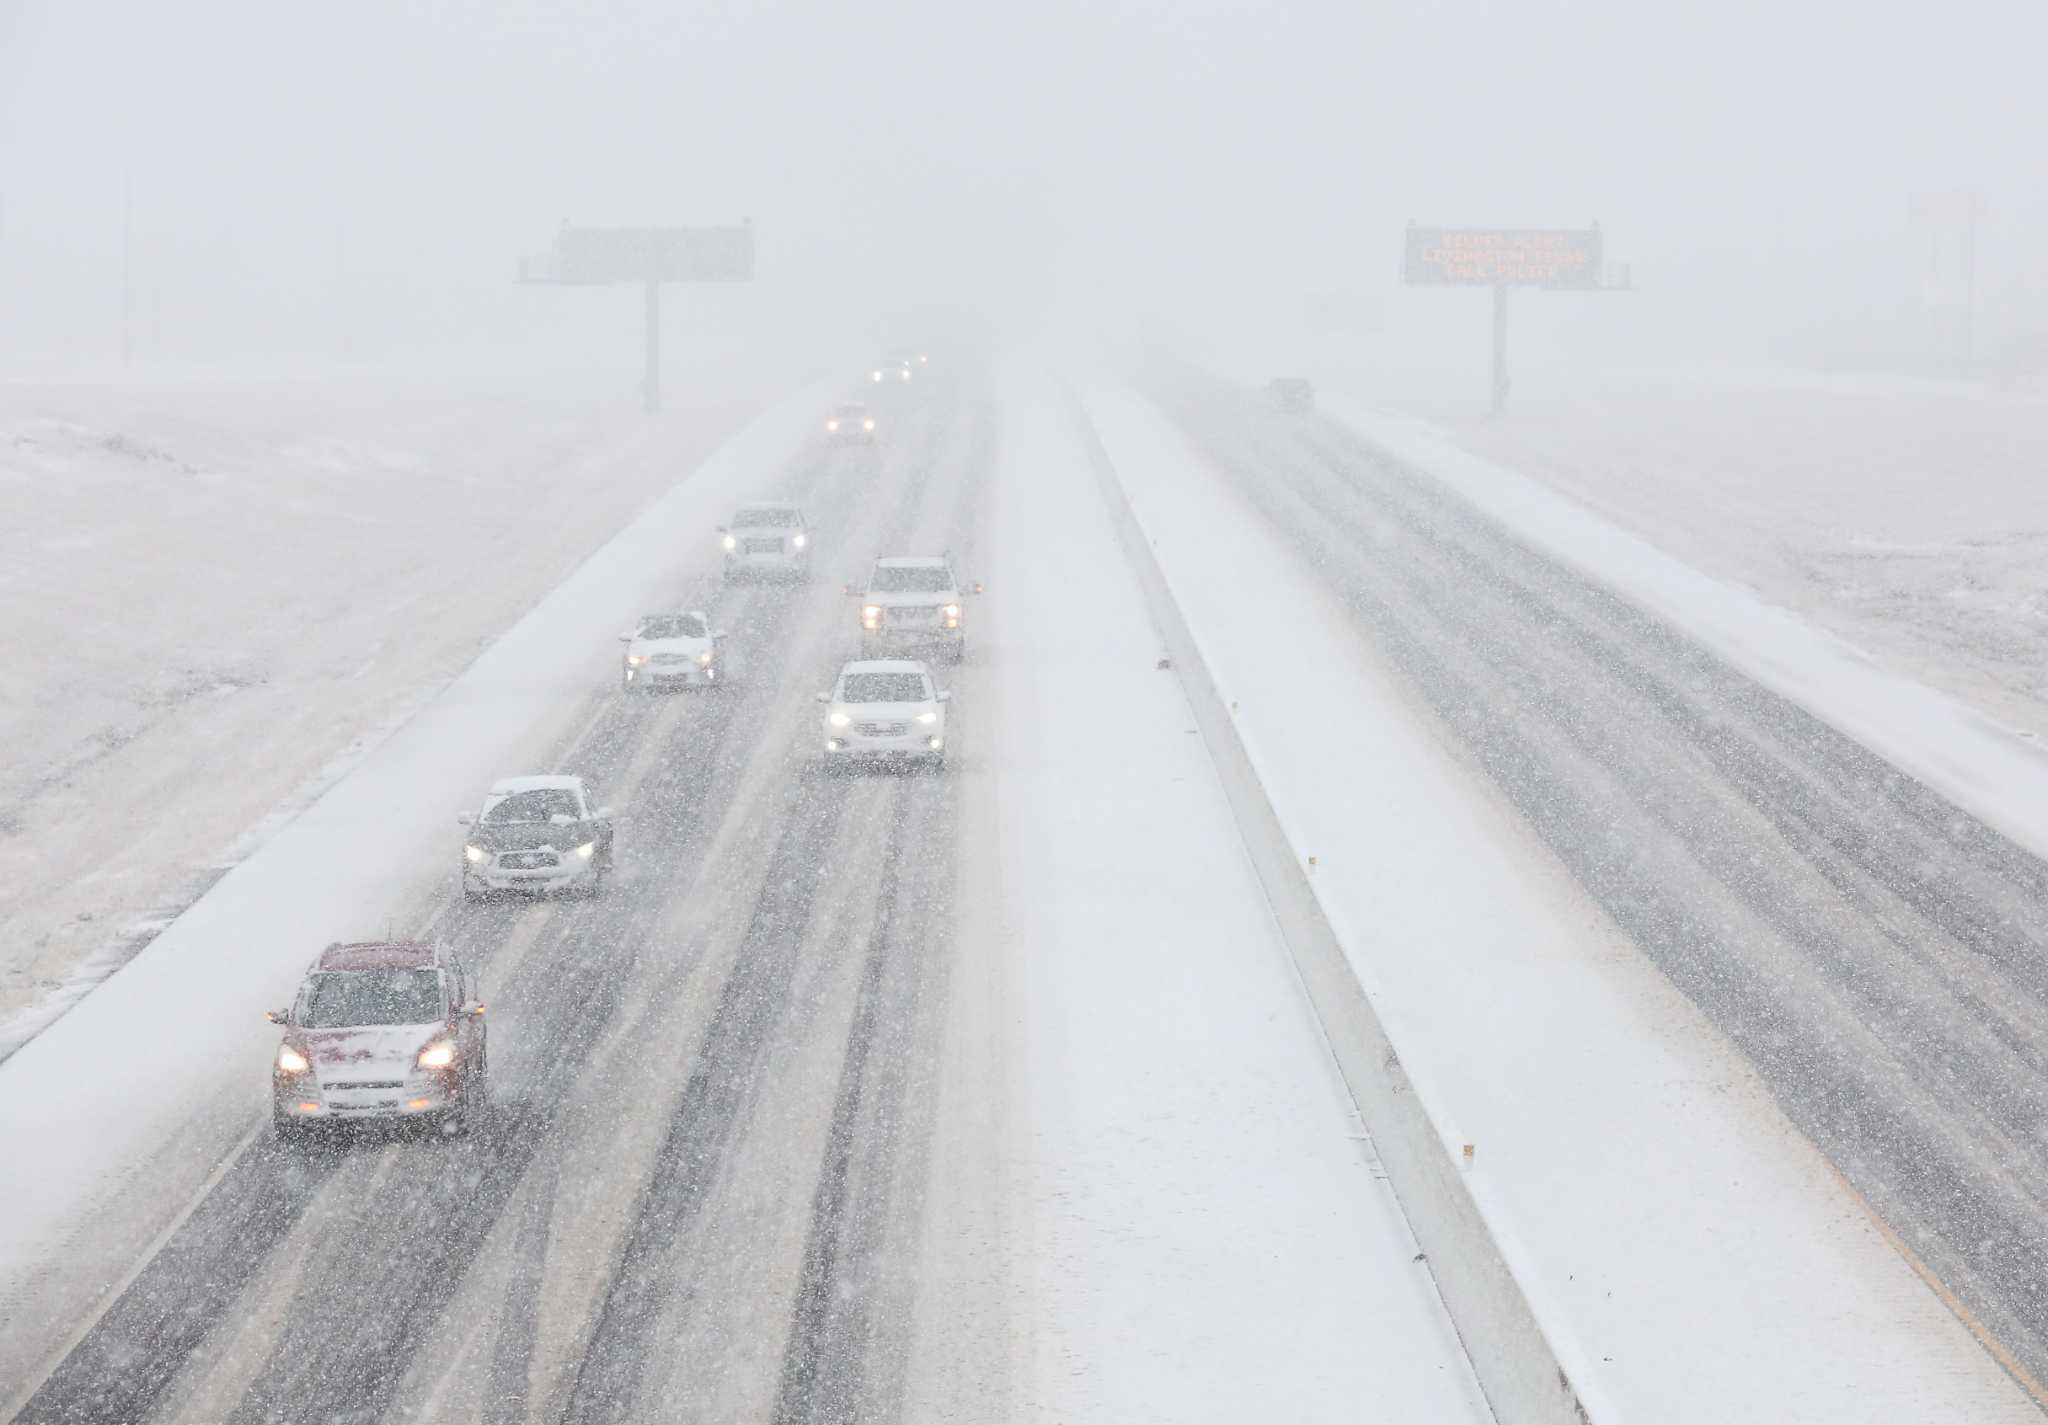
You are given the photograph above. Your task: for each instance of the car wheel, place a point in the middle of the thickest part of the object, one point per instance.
(470, 894)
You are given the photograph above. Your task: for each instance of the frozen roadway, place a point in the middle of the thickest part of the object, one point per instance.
(992, 1095)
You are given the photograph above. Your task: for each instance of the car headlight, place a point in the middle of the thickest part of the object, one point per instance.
(867, 425)
(872, 613)
(291, 1061)
(474, 853)
(839, 719)
(799, 541)
(927, 718)
(634, 660)
(952, 611)
(437, 1055)
(587, 850)
(705, 658)
(732, 541)
(878, 375)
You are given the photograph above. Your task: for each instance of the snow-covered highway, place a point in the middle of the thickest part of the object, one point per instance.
(984, 1096)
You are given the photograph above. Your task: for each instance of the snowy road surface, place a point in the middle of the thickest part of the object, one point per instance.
(1876, 953)
(854, 1097)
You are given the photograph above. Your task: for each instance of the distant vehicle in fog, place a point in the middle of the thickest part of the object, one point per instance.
(912, 602)
(536, 835)
(673, 651)
(851, 424)
(766, 539)
(1290, 396)
(388, 1030)
(890, 371)
(885, 710)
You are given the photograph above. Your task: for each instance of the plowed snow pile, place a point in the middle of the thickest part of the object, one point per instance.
(218, 593)
(1909, 517)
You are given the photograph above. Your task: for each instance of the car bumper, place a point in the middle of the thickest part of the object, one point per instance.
(918, 636)
(541, 880)
(415, 1097)
(916, 747)
(686, 675)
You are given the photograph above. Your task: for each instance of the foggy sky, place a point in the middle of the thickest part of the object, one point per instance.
(366, 175)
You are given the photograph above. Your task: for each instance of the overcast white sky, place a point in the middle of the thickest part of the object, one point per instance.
(378, 166)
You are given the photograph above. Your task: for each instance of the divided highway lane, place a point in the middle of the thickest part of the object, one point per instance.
(1879, 955)
(701, 1080)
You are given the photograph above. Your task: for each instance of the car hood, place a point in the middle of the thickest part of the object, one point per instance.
(531, 835)
(884, 712)
(650, 647)
(367, 1044)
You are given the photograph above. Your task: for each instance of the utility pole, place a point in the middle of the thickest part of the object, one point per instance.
(651, 384)
(127, 264)
(1500, 347)
(1970, 281)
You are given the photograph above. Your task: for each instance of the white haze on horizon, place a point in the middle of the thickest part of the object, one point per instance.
(357, 183)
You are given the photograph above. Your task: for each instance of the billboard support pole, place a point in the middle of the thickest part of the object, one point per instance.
(651, 385)
(1500, 347)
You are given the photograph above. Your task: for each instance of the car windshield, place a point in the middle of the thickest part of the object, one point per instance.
(341, 999)
(765, 518)
(851, 413)
(540, 804)
(883, 688)
(915, 579)
(674, 626)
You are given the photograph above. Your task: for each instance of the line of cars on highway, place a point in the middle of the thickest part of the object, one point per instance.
(393, 1030)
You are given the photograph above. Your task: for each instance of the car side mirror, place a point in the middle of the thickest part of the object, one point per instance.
(467, 818)
(977, 587)
(945, 695)
(717, 634)
(278, 1016)
(824, 697)
(625, 638)
(721, 529)
(473, 1010)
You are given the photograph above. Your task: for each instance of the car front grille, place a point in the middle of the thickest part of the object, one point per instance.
(528, 860)
(884, 729)
(370, 1084)
(762, 546)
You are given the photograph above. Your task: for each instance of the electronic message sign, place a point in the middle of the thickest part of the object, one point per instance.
(1505, 257)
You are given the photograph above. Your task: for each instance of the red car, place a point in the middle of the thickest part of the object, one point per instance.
(381, 1030)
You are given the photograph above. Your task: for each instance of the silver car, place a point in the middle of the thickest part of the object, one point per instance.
(383, 1030)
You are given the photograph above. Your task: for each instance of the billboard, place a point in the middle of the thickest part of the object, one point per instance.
(586, 256)
(1566, 258)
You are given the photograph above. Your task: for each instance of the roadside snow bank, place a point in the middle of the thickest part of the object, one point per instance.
(219, 591)
(1690, 1257)
(1990, 770)
(163, 1066)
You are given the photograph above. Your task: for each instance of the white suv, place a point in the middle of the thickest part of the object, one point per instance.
(912, 602)
(767, 539)
(885, 710)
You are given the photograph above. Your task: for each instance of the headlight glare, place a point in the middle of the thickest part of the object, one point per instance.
(840, 719)
(799, 541)
(437, 1055)
(732, 541)
(291, 1061)
(927, 718)
(474, 853)
(587, 850)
